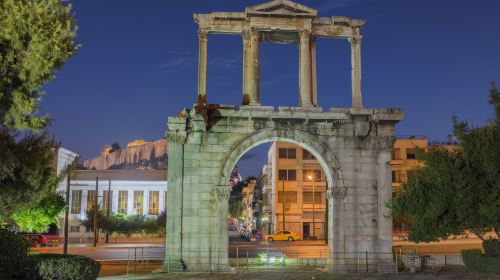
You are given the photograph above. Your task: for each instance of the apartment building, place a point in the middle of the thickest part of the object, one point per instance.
(293, 189)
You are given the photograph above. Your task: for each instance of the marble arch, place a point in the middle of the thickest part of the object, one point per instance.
(353, 144)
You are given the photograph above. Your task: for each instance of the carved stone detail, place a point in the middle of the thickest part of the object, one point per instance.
(386, 142)
(177, 137)
(222, 193)
(336, 192)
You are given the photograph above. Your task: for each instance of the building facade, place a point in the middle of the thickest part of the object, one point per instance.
(129, 191)
(294, 192)
(404, 159)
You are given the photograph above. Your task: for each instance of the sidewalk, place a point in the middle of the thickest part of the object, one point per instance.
(291, 274)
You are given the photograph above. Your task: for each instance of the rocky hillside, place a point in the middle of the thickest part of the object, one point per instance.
(151, 155)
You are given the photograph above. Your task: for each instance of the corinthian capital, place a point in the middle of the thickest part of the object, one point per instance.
(202, 34)
(256, 34)
(355, 40)
(177, 137)
(305, 34)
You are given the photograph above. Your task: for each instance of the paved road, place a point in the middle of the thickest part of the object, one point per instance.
(301, 249)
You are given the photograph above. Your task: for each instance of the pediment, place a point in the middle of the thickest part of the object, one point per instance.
(282, 8)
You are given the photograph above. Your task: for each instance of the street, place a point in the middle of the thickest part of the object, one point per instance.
(296, 249)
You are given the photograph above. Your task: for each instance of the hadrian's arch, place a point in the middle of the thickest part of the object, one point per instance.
(353, 145)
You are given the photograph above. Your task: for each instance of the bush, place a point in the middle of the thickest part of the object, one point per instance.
(492, 247)
(13, 250)
(474, 260)
(62, 267)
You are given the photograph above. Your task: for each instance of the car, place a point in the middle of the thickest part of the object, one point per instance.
(36, 240)
(283, 235)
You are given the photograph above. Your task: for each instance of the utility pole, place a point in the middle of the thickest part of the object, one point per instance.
(66, 216)
(95, 210)
(108, 204)
(314, 212)
(283, 202)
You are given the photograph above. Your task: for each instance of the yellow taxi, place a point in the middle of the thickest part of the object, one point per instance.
(283, 235)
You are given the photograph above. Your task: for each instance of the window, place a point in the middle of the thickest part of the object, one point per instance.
(307, 155)
(76, 201)
(154, 202)
(396, 176)
(396, 154)
(410, 154)
(290, 197)
(90, 199)
(316, 175)
(287, 175)
(74, 228)
(105, 196)
(287, 153)
(138, 202)
(122, 201)
(308, 197)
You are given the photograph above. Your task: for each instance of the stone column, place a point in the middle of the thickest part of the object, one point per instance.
(202, 65)
(314, 78)
(384, 194)
(254, 68)
(174, 247)
(357, 101)
(305, 68)
(247, 62)
(336, 246)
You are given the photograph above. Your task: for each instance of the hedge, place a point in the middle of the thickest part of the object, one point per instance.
(475, 261)
(65, 267)
(13, 250)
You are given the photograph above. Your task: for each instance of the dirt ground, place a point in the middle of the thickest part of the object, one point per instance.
(449, 274)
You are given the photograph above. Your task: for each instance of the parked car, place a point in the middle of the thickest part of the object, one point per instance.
(36, 240)
(283, 235)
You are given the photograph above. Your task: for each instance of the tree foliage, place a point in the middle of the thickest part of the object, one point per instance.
(39, 217)
(25, 172)
(456, 190)
(36, 38)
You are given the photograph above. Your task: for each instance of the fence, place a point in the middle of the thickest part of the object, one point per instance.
(248, 257)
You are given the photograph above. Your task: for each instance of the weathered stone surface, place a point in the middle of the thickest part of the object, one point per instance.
(357, 173)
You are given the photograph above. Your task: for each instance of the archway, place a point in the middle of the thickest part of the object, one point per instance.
(329, 165)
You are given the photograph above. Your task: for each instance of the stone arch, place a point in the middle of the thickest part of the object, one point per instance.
(336, 189)
(314, 145)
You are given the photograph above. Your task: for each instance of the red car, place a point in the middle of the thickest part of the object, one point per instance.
(36, 240)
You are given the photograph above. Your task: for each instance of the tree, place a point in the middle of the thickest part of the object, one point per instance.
(36, 38)
(455, 190)
(103, 222)
(26, 176)
(39, 217)
(114, 147)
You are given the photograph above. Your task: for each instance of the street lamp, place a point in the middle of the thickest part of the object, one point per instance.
(283, 202)
(311, 177)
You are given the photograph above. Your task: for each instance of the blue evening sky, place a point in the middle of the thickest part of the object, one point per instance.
(138, 65)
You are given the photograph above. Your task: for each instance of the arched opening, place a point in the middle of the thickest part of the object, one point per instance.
(293, 192)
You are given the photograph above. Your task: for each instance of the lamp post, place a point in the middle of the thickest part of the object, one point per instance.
(283, 202)
(313, 237)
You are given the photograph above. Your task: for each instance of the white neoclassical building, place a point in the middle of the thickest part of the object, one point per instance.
(132, 191)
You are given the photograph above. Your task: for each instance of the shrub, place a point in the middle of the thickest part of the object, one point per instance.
(492, 247)
(63, 267)
(474, 260)
(13, 250)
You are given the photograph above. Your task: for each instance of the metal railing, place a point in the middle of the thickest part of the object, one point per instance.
(247, 257)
